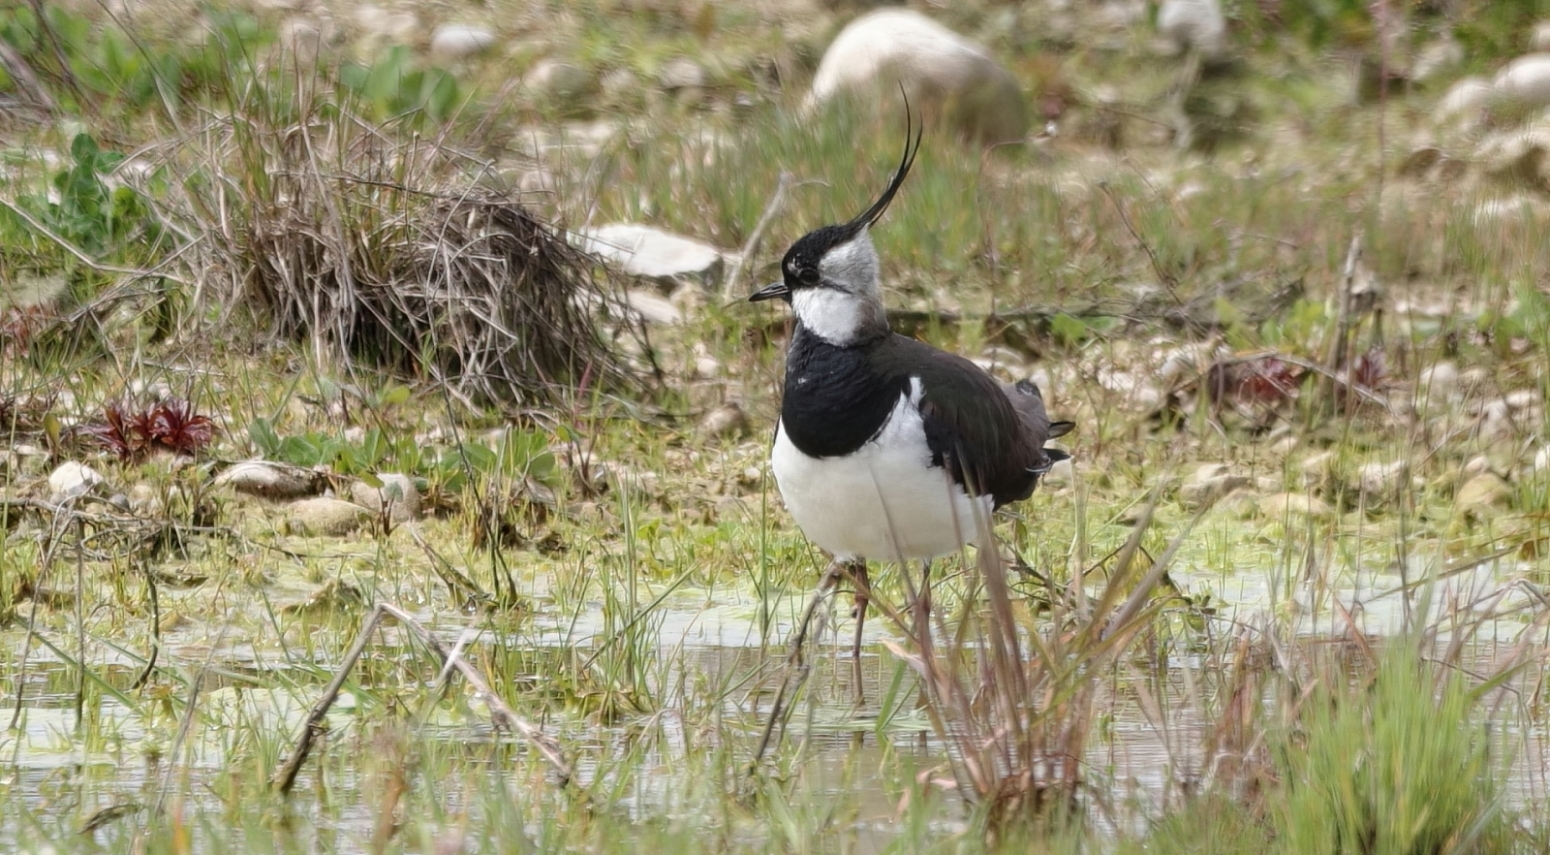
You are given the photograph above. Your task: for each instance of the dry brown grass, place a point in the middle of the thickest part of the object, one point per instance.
(388, 250)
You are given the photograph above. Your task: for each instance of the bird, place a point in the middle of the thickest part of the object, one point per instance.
(887, 448)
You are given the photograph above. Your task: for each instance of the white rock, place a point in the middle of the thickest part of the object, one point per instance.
(325, 517)
(1526, 79)
(1464, 101)
(1522, 399)
(1542, 459)
(1517, 156)
(944, 74)
(1194, 25)
(1435, 58)
(654, 309)
(1382, 479)
(620, 85)
(1209, 482)
(459, 41)
(1437, 386)
(399, 26)
(652, 253)
(681, 73)
(72, 479)
(270, 480)
(1516, 208)
(552, 80)
(303, 37)
(727, 420)
(1481, 491)
(1539, 37)
(397, 493)
(1284, 505)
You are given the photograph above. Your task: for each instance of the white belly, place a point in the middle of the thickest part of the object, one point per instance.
(884, 502)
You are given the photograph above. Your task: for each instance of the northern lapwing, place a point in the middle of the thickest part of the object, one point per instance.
(888, 448)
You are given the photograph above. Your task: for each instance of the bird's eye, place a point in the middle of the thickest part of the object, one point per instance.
(808, 275)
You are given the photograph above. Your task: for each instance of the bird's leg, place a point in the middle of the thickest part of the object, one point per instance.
(863, 597)
(923, 601)
(794, 664)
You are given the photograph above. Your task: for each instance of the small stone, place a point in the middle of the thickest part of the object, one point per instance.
(397, 26)
(451, 42)
(269, 480)
(1060, 474)
(324, 517)
(945, 74)
(1526, 79)
(304, 39)
(1436, 58)
(537, 181)
(681, 73)
(1484, 490)
(1437, 386)
(398, 492)
(654, 309)
(1476, 465)
(1464, 100)
(620, 86)
(1284, 445)
(1517, 157)
(72, 479)
(1283, 505)
(1209, 482)
(553, 81)
(1378, 479)
(707, 367)
(145, 501)
(1193, 25)
(1317, 469)
(1542, 459)
(727, 420)
(1522, 399)
(1539, 37)
(654, 254)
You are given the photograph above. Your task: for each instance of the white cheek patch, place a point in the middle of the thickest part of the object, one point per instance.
(853, 262)
(834, 316)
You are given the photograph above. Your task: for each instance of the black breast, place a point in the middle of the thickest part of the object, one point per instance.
(834, 401)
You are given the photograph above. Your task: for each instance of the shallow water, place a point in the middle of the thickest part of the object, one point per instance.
(710, 651)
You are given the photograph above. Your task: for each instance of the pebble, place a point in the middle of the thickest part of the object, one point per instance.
(1465, 101)
(553, 81)
(324, 517)
(1193, 25)
(1209, 482)
(651, 253)
(1526, 79)
(71, 479)
(451, 42)
(398, 491)
(1484, 490)
(681, 73)
(1283, 505)
(270, 480)
(945, 74)
(727, 420)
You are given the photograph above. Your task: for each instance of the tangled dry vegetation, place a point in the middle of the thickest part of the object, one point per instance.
(370, 243)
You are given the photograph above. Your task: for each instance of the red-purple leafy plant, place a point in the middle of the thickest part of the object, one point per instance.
(169, 425)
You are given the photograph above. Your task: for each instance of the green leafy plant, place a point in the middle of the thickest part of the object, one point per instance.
(394, 85)
(519, 455)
